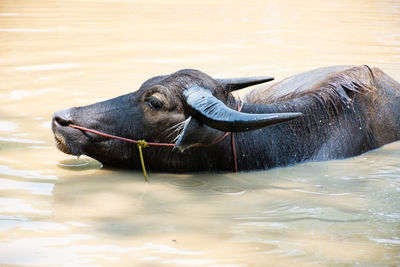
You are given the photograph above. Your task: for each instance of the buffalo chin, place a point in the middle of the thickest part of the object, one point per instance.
(67, 141)
(67, 149)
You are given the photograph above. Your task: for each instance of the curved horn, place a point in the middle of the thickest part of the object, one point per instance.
(214, 113)
(240, 83)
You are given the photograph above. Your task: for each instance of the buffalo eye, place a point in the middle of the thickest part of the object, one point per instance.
(153, 102)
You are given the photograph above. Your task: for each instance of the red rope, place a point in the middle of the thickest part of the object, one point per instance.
(118, 137)
(239, 107)
(215, 142)
(235, 163)
(235, 166)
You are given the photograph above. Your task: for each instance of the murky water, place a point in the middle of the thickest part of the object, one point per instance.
(61, 211)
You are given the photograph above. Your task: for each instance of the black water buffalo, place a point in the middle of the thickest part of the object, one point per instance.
(327, 113)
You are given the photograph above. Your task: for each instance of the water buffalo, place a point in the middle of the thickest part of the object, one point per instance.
(327, 113)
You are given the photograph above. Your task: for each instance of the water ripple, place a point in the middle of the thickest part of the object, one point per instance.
(20, 140)
(187, 182)
(229, 190)
(6, 170)
(34, 188)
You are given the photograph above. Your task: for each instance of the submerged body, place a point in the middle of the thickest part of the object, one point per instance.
(328, 113)
(347, 111)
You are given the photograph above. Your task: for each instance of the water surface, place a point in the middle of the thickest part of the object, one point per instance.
(56, 210)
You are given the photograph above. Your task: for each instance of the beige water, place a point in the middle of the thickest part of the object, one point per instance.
(56, 210)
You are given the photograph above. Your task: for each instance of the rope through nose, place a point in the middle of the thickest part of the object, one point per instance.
(118, 137)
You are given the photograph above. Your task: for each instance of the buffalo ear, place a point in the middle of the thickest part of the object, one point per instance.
(195, 134)
(240, 83)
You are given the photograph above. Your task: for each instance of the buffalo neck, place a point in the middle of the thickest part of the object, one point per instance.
(311, 137)
(272, 146)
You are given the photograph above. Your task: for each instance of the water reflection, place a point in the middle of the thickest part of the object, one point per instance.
(47, 67)
(21, 94)
(8, 126)
(30, 174)
(60, 210)
(34, 188)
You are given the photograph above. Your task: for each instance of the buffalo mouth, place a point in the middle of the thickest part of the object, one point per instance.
(75, 141)
(68, 140)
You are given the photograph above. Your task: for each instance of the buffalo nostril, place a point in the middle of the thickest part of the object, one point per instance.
(63, 117)
(62, 121)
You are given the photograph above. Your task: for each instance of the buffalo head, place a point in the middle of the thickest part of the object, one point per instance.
(187, 108)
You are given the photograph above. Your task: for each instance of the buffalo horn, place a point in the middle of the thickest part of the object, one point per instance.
(214, 113)
(240, 83)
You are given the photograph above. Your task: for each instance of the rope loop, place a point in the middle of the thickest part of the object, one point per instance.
(142, 143)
